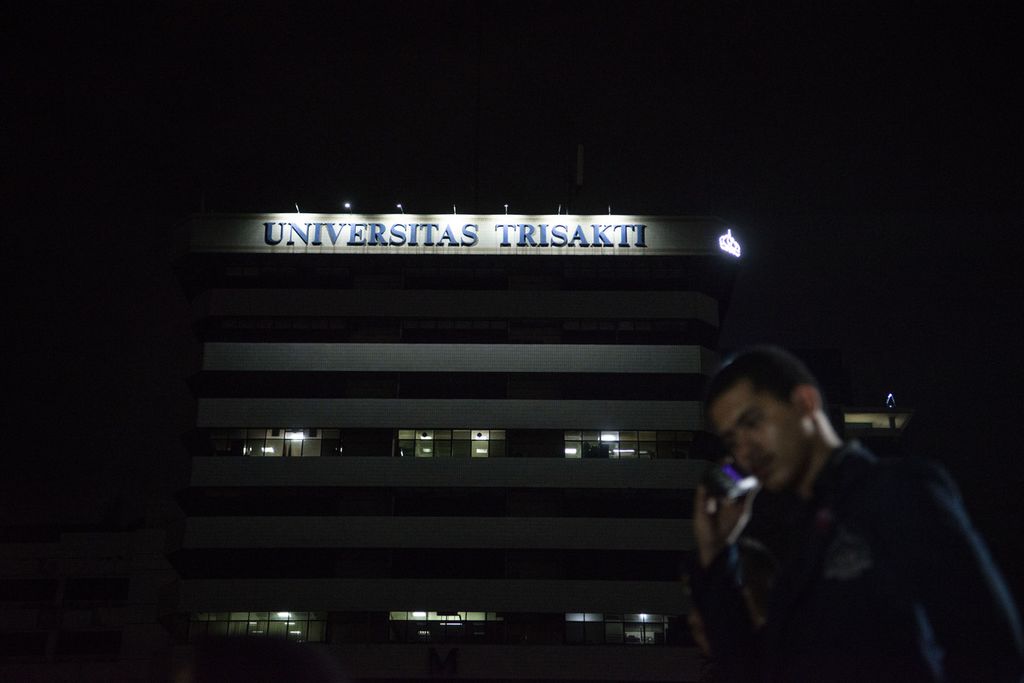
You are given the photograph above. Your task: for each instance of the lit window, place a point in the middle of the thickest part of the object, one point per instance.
(456, 443)
(293, 626)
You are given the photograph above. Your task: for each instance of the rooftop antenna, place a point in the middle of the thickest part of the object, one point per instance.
(297, 208)
(453, 210)
(609, 209)
(399, 207)
(559, 209)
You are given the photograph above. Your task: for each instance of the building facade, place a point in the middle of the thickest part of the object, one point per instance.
(83, 605)
(454, 445)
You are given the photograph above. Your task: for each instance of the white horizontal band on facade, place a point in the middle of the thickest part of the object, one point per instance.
(414, 413)
(448, 472)
(403, 303)
(577, 358)
(495, 595)
(567, 533)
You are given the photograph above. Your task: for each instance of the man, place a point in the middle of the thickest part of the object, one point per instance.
(886, 581)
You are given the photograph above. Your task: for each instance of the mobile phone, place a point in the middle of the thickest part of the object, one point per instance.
(723, 480)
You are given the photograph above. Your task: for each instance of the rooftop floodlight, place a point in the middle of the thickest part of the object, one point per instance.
(506, 209)
(890, 402)
(348, 206)
(728, 243)
(399, 207)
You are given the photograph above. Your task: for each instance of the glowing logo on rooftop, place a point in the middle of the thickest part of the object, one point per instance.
(728, 243)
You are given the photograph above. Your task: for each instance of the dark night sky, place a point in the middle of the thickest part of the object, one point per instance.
(870, 159)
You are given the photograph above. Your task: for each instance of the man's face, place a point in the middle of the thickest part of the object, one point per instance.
(766, 436)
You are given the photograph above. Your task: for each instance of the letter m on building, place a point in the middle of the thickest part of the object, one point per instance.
(446, 666)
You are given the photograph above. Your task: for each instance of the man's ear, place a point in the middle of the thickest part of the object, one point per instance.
(806, 398)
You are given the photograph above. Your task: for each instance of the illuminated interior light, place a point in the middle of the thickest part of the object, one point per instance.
(609, 437)
(623, 450)
(267, 449)
(728, 243)
(294, 436)
(643, 617)
(570, 451)
(425, 436)
(481, 450)
(421, 615)
(298, 633)
(284, 615)
(428, 450)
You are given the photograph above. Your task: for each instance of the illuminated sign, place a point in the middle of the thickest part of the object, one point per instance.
(728, 243)
(461, 235)
(457, 234)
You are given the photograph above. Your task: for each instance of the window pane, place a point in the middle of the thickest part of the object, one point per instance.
(297, 631)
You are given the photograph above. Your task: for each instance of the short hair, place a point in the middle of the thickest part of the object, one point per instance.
(768, 368)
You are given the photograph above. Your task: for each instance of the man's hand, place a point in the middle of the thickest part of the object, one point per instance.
(718, 522)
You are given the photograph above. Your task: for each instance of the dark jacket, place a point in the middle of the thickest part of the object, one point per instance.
(888, 582)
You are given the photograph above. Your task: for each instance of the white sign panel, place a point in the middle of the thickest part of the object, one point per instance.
(455, 234)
